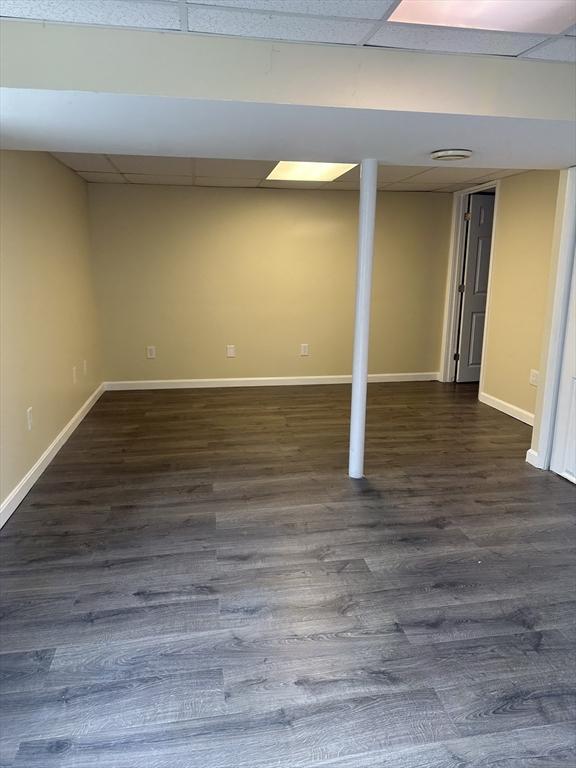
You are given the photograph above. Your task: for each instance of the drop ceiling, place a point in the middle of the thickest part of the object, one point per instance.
(213, 172)
(348, 22)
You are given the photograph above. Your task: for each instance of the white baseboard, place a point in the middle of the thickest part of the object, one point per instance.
(14, 498)
(266, 381)
(533, 458)
(507, 408)
(373, 378)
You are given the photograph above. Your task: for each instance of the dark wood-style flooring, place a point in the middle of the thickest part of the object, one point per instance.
(195, 583)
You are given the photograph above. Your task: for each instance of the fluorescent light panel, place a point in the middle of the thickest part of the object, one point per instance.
(287, 170)
(545, 16)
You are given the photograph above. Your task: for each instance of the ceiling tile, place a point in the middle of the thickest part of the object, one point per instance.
(411, 187)
(390, 173)
(147, 14)
(386, 173)
(85, 162)
(451, 40)
(103, 178)
(500, 174)
(227, 21)
(493, 175)
(219, 181)
(293, 184)
(165, 166)
(354, 9)
(234, 169)
(453, 175)
(145, 178)
(453, 187)
(556, 49)
(342, 185)
(352, 175)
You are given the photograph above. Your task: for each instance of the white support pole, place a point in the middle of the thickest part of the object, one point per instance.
(366, 220)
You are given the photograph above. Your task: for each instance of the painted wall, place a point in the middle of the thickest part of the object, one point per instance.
(270, 71)
(562, 209)
(48, 321)
(521, 266)
(192, 270)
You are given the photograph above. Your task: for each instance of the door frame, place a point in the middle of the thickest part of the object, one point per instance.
(564, 256)
(455, 264)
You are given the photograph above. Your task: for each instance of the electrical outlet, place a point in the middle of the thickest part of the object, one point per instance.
(151, 352)
(304, 350)
(230, 350)
(29, 419)
(533, 378)
(85, 367)
(74, 375)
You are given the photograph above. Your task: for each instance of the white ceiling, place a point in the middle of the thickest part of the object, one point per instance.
(349, 22)
(213, 172)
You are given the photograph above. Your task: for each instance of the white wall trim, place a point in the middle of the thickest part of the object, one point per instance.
(533, 458)
(265, 381)
(450, 323)
(508, 408)
(14, 498)
(374, 378)
(551, 359)
(455, 262)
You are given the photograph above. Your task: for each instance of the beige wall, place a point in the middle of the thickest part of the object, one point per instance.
(191, 270)
(47, 307)
(521, 267)
(273, 72)
(559, 224)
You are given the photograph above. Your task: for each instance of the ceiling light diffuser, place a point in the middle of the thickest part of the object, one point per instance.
(451, 154)
(287, 170)
(546, 16)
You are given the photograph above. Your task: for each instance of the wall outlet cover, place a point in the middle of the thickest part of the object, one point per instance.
(533, 378)
(151, 352)
(230, 350)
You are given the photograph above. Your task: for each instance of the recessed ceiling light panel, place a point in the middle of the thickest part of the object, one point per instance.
(545, 16)
(287, 170)
(451, 154)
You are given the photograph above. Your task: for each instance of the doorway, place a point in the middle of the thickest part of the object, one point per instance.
(468, 283)
(473, 285)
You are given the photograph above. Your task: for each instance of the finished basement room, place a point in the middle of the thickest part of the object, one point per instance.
(288, 384)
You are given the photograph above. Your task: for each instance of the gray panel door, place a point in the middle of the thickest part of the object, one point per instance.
(475, 286)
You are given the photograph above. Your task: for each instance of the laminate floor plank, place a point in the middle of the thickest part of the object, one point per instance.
(283, 738)
(136, 572)
(304, 642)
(194, 582)
(97, 707)
(525, 701)
(485, 619)
(98, 626)
(25, 670)
(377, 669)
(549, 746)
